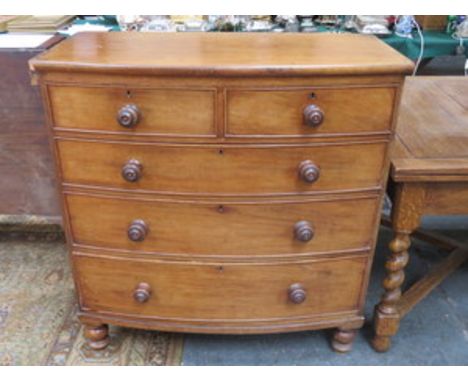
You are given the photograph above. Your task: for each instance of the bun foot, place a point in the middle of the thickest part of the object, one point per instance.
(97, 337)
(381, 343)
(342, 340)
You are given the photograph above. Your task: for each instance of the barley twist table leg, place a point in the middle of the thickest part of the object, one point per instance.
(407, 209)
(386, 313)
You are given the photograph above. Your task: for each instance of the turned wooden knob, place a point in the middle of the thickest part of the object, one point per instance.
(313, 116)
(296, 294)
(308, 171)
(131, 171)
(137, 230)
(128, 116)
(303, 231)
(142, 292)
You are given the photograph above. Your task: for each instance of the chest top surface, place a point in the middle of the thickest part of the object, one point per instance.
(223, 54)
(432, 129)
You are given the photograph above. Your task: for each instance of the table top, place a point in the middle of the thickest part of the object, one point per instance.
(224, 54)
(431, 142)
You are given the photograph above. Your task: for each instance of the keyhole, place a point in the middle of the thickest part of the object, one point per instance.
(312, 95)
(221, 151)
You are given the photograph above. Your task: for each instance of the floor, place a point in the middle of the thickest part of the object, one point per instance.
(434, 333)
(38, 313)
(444, 65)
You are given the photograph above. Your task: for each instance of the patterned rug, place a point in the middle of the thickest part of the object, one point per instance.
(38, 324)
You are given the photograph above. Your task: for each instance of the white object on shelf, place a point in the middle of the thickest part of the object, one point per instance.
(22, 40)
(84, 28)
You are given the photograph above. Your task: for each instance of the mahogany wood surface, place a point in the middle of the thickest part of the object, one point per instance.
(221, 183)
(280, 111)
(219, 54)
(222, 169)
(430, 171)
(222, 228)
(162, 111)
(209, 292)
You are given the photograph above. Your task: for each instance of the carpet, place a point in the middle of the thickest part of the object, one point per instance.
(38, 324)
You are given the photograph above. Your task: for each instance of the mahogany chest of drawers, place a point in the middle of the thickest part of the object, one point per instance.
(221, 183)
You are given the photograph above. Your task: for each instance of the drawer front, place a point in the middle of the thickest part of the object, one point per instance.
(309, 112)
(222, 170)
(222, 229)
(160, 112)
(219, 291)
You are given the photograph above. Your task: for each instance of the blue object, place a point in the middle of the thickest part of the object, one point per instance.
(404, 26)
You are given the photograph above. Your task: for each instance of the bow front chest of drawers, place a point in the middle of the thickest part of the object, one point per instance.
(221, 183)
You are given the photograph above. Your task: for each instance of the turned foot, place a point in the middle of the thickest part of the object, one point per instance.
(381, 343)
(97, 337)
(342, 341)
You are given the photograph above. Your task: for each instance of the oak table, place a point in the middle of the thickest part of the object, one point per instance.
(429, 176)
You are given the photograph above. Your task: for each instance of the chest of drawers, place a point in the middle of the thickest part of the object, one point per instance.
(221, 183)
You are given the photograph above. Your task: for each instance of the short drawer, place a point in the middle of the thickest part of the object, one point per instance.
(308, 112)
(173, 112)
(226, 170)
(222, 228)
(216, 292)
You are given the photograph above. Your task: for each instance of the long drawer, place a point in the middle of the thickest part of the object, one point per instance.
(174, 112)
(308, 111)
(211, 228)
(217, 169)
(217, 292)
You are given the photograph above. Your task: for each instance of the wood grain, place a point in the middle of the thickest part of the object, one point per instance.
(280, 111)
(432, 131)
(210, 292)
(449, 198)
(162, 111)
(218, 54)
(248, 229)
(222, 169)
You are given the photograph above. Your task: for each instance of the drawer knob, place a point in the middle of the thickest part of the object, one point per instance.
(131, 171)
(313, 116)
(128, 116)
(296, 294)
(308, 171)
(137, 230)
(303, 231)
(142, 293)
